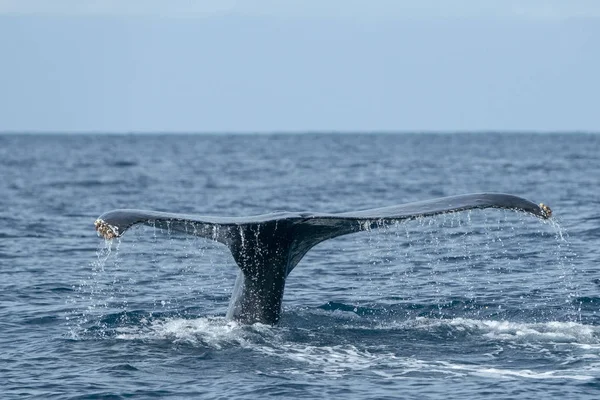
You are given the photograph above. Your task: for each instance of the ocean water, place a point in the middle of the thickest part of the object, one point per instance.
(482, 304)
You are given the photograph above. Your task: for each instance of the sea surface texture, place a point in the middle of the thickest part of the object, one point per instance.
(474, 305)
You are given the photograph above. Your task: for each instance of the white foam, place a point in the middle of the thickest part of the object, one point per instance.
(376, 359)
(212, 332)
(518, 373)
(336, 361)
(330, 360)
(553, 331)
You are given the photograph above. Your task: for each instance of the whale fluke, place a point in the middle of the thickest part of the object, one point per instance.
(267, 247)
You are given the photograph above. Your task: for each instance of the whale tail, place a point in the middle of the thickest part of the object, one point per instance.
(268, 247)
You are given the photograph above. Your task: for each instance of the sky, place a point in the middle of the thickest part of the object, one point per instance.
(296, 66)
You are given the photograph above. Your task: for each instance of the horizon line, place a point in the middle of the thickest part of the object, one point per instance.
(305, 132)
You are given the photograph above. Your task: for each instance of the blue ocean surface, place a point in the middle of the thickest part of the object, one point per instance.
(479, 305)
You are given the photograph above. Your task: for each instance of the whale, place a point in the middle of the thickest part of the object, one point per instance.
(267, 247)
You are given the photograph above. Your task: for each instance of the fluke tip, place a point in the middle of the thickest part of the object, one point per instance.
(546, 211)
(105, 230)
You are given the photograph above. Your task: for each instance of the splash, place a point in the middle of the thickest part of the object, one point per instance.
(161, 273)
(215, 333)
(288, 351)
(85, 301)
(565, 260)
(497, 259)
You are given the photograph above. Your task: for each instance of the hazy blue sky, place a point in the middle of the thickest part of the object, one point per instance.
(272, 65)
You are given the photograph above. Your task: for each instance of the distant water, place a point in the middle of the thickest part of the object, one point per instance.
(484, 304)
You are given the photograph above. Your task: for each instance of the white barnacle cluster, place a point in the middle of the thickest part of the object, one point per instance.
(105, 230)
(546, 210)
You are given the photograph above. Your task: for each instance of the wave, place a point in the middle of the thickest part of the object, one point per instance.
(391, 350)
(542, 332)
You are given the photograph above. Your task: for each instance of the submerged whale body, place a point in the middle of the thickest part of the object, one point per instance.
(268, 247)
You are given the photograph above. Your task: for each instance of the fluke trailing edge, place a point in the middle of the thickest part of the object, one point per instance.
(268, 247)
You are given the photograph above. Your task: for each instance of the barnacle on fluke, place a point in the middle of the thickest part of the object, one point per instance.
(105, 230)
(546, 210)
